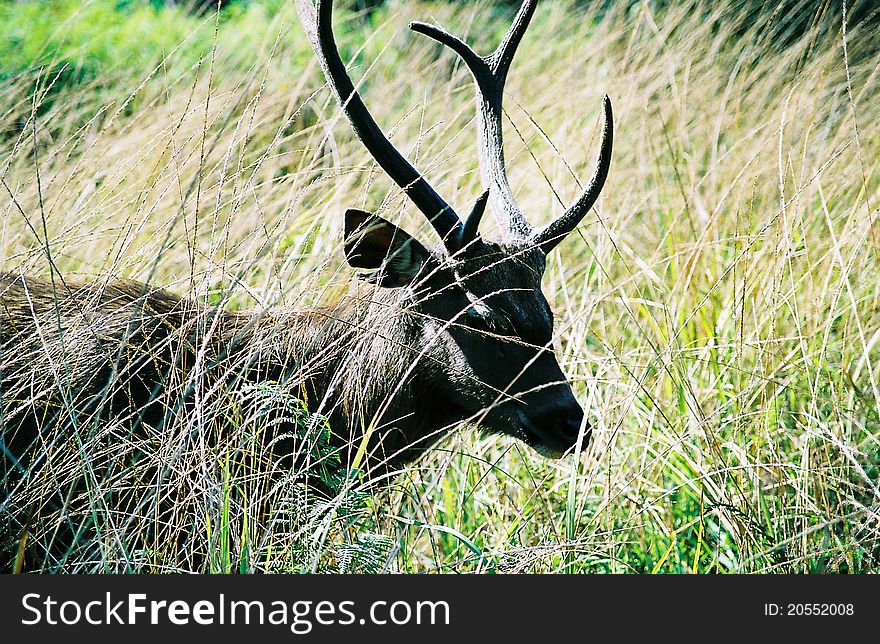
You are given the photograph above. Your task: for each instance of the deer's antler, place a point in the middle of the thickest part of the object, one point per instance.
(316, 20)
(490, 75)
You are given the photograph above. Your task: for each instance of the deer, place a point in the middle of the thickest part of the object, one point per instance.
(440, 336)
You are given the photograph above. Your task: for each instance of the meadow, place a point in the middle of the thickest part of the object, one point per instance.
(718, 312)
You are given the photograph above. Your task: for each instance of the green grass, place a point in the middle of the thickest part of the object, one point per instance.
(718, 313)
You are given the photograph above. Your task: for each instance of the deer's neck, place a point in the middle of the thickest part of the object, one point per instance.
(362, 364)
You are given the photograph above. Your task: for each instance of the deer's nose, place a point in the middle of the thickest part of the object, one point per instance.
(559, 428)
(568, 427)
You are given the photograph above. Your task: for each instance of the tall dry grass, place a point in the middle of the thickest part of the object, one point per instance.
(717, 312)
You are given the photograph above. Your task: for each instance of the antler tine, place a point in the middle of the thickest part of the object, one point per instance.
(317, 23)
(503, 55)
(472, 224)
(490, 74)
(549, 236)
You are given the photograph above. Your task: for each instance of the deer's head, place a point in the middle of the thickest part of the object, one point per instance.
(485, 319)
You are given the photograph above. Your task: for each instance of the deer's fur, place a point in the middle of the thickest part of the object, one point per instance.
(457, 333)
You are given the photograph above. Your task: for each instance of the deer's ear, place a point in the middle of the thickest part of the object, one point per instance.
(392, 255)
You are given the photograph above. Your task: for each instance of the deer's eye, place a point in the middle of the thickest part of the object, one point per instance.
(491, 322)
(502, 325)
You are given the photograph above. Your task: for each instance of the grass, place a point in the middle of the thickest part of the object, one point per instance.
(717, 313)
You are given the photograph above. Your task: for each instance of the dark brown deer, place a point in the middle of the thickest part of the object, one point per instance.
(457, 333)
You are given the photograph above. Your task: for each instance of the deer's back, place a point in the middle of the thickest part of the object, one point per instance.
(97, 392)
(72, 353)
